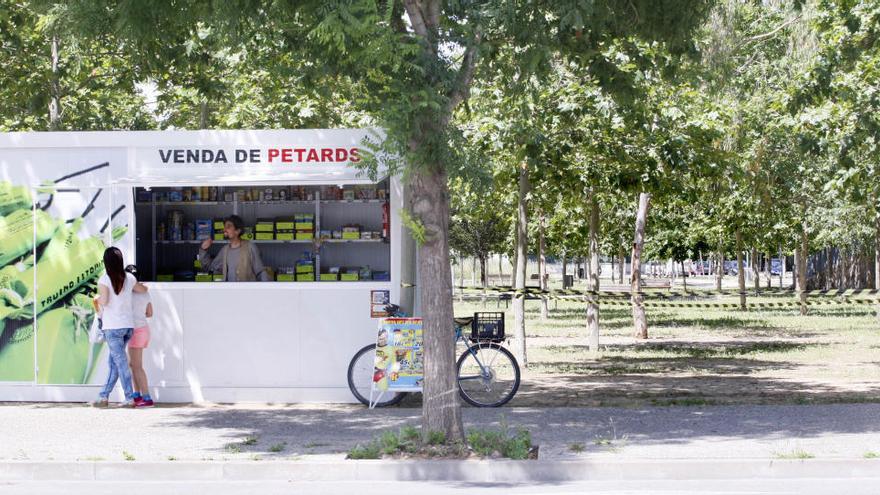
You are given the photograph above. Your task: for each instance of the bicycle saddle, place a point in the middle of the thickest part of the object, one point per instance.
(463, 321)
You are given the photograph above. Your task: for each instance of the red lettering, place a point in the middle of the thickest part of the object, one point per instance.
(299, 153)
(341, 155)
(326, 155)
(273, 153)
(287, 155)
(313, 156)
(354, 155)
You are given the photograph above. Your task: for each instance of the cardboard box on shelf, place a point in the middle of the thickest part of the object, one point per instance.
(204, 277)
(265, 236)
(218, 277)
(305, 267)
(284, 224)
(348, 277)
(220, 237)
(285, 277)
(329, 277)
(265, 227)
(351, 235)
(305, 277)
(305, 236)
(284, 236)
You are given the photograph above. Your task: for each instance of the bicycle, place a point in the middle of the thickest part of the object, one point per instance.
(488, 374)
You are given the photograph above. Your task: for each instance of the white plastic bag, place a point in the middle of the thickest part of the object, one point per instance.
(96, 336)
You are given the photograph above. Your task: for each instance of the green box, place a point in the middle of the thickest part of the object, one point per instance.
(265, 236)
(284, 225)
(305, 277)
(351, 235)
(248, 236)
(305, 268)
(305, 236)
(219, 237)
(284, 236)
(285, 277)
(265, 227)
(165, 277)
(218, 277)
(304, 225)
(329, 277)
(348, 277)
(219, 224)
(204, 277)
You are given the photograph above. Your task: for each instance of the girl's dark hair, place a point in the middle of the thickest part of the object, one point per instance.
(114, 267)
(236, 222)
(132, 269)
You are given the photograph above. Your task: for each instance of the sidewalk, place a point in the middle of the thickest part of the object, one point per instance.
(739, 439)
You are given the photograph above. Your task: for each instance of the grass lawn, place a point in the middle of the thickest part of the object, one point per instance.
(697, 356)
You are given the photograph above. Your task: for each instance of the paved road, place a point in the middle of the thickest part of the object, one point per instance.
(42, 432)
(726, 487)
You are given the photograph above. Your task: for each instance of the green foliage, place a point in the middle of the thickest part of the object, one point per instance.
(489, 443)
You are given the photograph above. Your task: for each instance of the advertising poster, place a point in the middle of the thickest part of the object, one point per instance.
(399, 356)
(378, 300)
(55, 221)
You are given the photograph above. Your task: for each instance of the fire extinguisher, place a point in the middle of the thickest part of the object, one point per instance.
(386, 220)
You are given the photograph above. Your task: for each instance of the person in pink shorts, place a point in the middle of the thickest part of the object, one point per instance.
(142, 308)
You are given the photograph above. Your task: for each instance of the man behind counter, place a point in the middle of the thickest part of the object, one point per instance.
(238, 261)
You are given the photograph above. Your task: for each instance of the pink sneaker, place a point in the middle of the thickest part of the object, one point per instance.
(138, 401)
(143, 403)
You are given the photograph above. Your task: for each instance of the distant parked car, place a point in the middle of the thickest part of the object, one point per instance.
(730, 267)
(775, 266)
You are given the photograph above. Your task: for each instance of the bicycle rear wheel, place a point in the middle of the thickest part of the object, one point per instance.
(488, 375)
(360, 378)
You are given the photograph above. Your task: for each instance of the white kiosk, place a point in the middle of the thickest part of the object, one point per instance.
(331, 236)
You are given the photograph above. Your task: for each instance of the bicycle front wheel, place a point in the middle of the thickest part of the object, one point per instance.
(488, 375)
(360, 379)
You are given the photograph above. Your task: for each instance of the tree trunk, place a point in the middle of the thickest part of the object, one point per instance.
(519, 316)
(203, 114)
(783, 260)
(802, 270)
(719, 275)
(593, 281)
(638, 308)
(684, 277)
(768, 265)
(877, 251)
(55, 89)
(796, 267)
(756, 271)
(741, 275)
(622, 267)
(441, 410)
(564, 268)
(473, 271)
(542, 267)
(484, 277)
(461, 277)
(500, 268)
(829, 272)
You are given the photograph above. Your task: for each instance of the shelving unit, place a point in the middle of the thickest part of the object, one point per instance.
(330, 214)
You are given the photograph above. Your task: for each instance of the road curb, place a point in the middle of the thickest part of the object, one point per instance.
(440, 470)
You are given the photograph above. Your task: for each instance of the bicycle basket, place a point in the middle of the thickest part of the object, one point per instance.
(487, 326)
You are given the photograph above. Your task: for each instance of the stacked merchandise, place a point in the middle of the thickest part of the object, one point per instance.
(304, 223)
(286, 274)
(218, 229)
(305, 268)
(203, 229)
(351, 232)
(284, 229)
(264, 230)
(331, 275)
